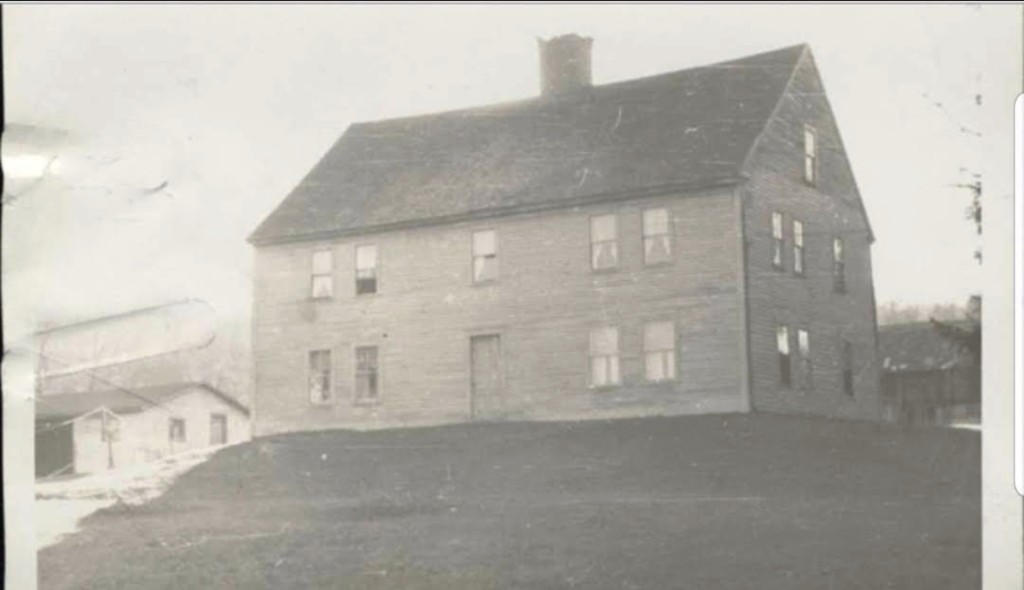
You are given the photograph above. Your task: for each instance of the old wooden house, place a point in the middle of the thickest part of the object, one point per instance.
(690, 242)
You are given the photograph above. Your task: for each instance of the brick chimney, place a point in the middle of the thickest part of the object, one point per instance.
(564, 64)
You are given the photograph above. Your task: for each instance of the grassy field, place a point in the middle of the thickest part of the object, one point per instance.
(732, 502)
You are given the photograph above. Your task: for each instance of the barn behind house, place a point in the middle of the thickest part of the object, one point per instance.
(689, 242)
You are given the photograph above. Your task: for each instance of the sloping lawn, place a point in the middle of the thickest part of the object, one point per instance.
(732, 502)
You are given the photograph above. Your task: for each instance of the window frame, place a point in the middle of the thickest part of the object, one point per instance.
(356, 373)
(375, 268)
(314, 275)
(674, 351)
(214, 416)
(330, 397)
(171, 422)
(474, 256)
(804, 360)
(810, 159)
(614, 241)
(667, 235)
(591, 358)
(799, 260)
(785, 359)
(839, 284)
(777, 241)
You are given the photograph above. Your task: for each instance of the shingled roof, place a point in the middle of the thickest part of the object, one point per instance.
(687, 129)
(65, 406)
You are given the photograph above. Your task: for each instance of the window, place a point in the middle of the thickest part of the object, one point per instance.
(320, 376)
(366, 270)
(777, 240)
(838, 266)
(604, 357)
(798, 247)
(810, 155)
(782, 342)
(847, 368)
(657, 236)
(485, 256)
(367, 374)
(660, 351)
(176, 430)
(218, 429)
(604, 246)
(323, 278)
(803, 340)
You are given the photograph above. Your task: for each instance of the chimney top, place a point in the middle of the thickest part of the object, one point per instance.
(565, 64)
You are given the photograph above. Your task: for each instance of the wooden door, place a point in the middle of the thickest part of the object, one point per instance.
(486, 383)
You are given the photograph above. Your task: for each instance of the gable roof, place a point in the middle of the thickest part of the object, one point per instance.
(66, 406)
(918, 346)
(687, 129)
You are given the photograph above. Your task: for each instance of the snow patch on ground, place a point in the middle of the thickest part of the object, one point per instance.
(62, 503)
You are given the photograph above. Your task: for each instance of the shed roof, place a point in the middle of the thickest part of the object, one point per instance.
(686, 129)
(66, 406)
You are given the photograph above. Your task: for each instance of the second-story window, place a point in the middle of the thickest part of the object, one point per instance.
(322, 284)
(798, 247)
(777, 240)
(485, 256)
(604, 244)
(366, 269)
(604, 356)
(810, 155)
(838, 266)
(782, 343)
(657, 236)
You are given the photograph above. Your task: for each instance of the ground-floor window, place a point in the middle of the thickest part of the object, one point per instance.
(367, 374)
(604, 356)
(847, 368)
(319, 376)
(660, 351)
(782, 344)
(803, 340)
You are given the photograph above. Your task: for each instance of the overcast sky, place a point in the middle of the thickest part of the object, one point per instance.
(186, 125)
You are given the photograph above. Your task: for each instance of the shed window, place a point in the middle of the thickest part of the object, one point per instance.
(319, 376)
(367, 374)
(782, 343)
(660, 351)
(604, 245)
(323, 279)
(777, 240)
(176, 430)
(810, 155)
(838, 266)
(485, 256)
(657, 236)
(604, 356)
(798, 247)
(366, 270)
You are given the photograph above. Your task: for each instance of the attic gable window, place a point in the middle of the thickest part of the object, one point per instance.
(657, 236)
(604, 244)
(810, 155)
(322, 283)
(366, 270)
(777, 241)
(838, 266)
(320, 376)
(485, 256)
(782, 344)
(798, 247)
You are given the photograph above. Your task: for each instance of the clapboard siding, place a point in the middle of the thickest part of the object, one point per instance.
(828, 209)
(543, 306)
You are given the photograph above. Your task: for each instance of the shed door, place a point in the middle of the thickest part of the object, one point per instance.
(488, 400)
(218, 429)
